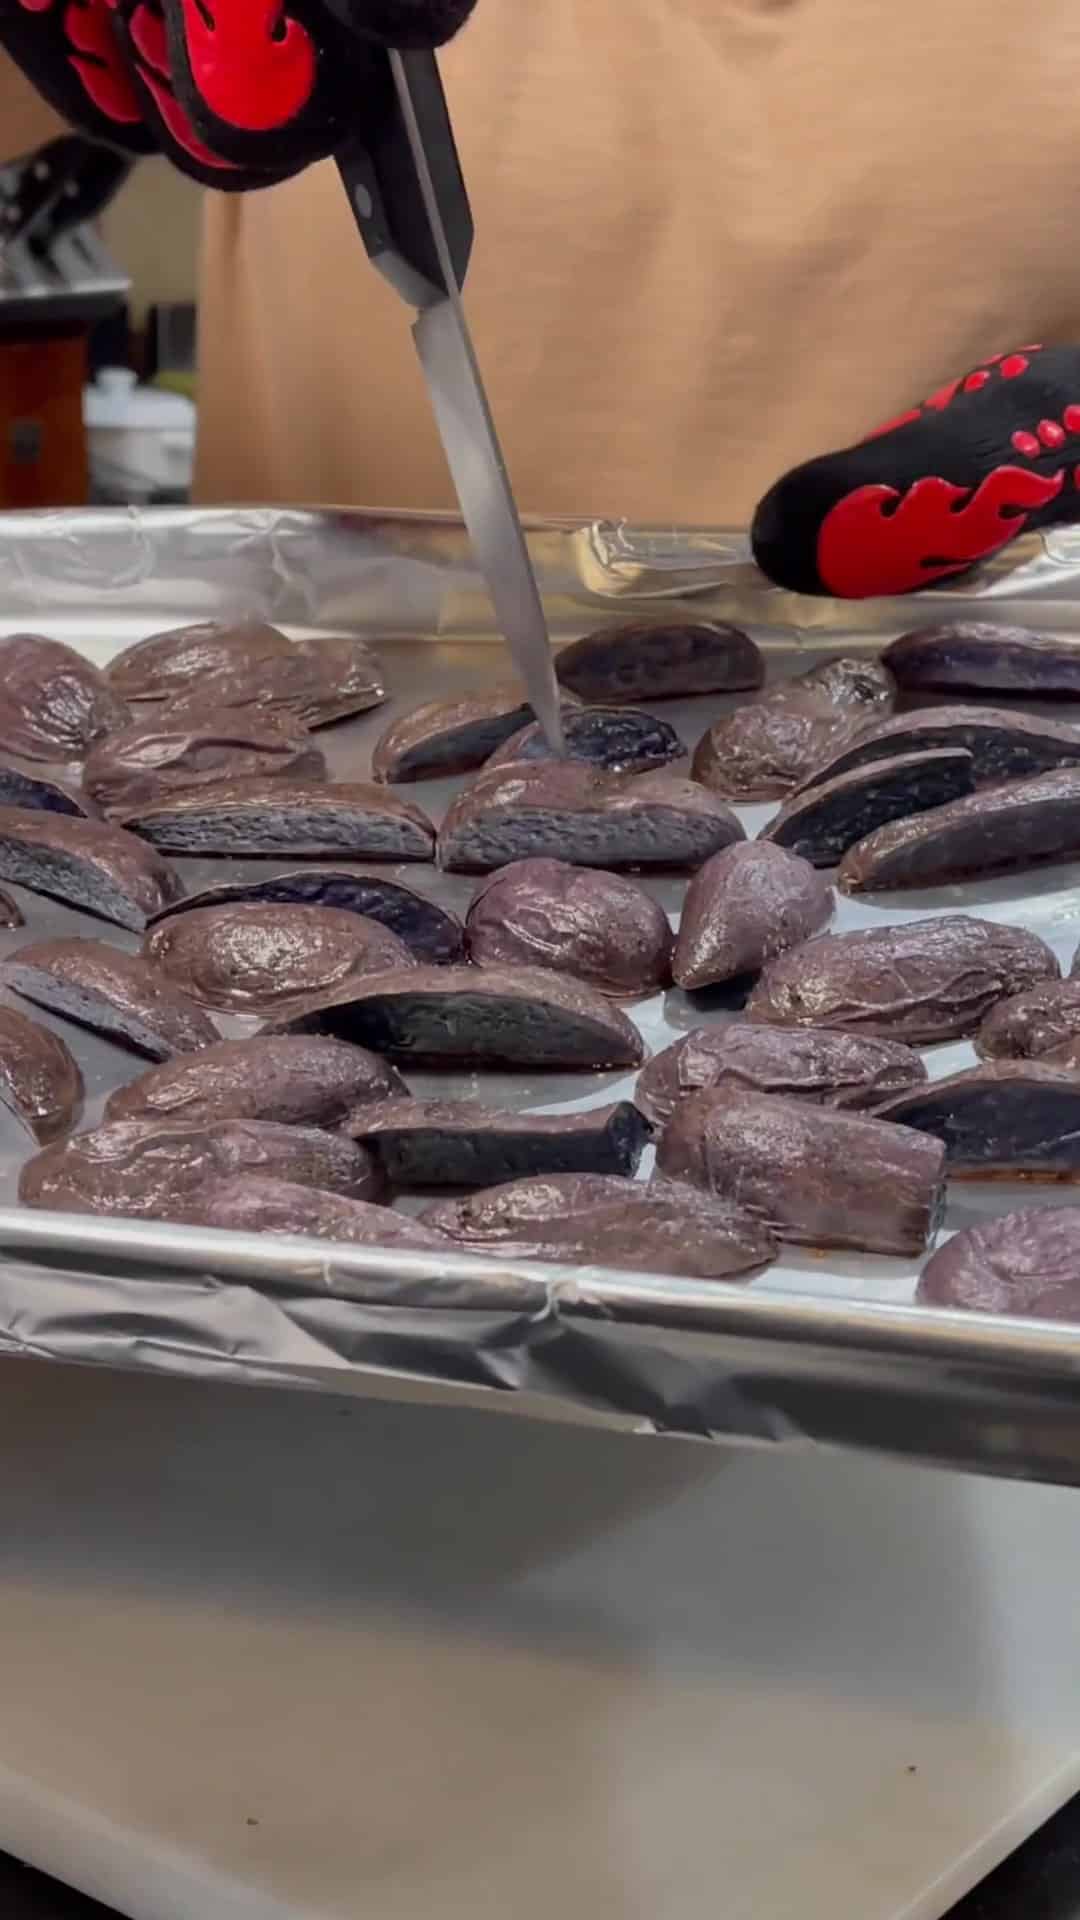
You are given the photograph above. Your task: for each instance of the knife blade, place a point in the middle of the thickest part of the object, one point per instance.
(408, 197)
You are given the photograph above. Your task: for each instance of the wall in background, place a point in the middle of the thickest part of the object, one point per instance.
(152, 230)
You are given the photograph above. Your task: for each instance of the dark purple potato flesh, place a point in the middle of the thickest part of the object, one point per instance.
(476, 1016)
(639, 661)
(112, 992)
(564, 810)
(152, 759)
(1002, 745)
(450, 736)
(40, 1082)
(429, 931)
(86, 863)
(53, 703)
(264, 959)
(600, 927)
(244, 1205)
(299, 1079)
(619, 739)
(167, 665)
(1031, 1023)
(998, 829)
(742, 908)
(580, 1219)
(822, 1067)
(764, 749)
(813, 1174)
(140, 1169)
(976, 657)
(457, 1143)
(823, 822)
(1006, 1120)
(1027, 1263)
(27, 788)
(919, 982)
(277, 817)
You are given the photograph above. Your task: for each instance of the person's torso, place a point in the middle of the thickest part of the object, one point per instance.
(713, 237)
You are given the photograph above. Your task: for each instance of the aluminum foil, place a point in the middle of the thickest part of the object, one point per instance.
(819, 1350)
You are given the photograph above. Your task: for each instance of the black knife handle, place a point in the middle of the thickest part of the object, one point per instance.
(384, 189)
(87, 191)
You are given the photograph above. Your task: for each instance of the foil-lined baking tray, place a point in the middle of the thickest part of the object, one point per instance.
(823, 1348)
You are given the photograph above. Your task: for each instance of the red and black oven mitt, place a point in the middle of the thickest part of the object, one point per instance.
(991, 455)
(238, 93)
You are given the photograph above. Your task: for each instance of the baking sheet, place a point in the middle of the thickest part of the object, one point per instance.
(823, 1346)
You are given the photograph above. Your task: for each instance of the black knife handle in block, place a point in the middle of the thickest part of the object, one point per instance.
(88, 190)
(384, 189)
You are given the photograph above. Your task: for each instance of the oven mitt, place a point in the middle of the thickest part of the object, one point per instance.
(238, 93)
(143, 38)
(68, 49)
(991, 455)
(283, 82)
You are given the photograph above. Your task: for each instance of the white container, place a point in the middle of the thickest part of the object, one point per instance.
(140, 440)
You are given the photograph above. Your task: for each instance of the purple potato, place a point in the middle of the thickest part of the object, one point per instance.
(1007, 1120)
(600, 927)
(920, 982)
(813, 1174)
(618, 739)
(207, 668)
(742, 908)
(246, 1205)
(822, 822)
(429, 931)
(25, 787)
(344, 678)
(276, 817)
(818, 1065)
(457, 1143)
(764, 749)
(475, 1016)
(565, 810)
(973, 656)
(140, 1169)
(450, 736)
(264, 959)
(641, 660)
(11, 914)
(857, 681)
(112, 992)
(1023, 824)
(1002, 745)
(298, 1079)
(589, 1219)
(1027, 1263)
(40, 1082)
(167, 665)
(87, 863)
(147, 762)
(1031, 1023)
(53, 703)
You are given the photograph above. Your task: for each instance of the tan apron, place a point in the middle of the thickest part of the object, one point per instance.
(714, 237)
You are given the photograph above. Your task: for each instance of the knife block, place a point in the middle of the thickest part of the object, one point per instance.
(42, 440)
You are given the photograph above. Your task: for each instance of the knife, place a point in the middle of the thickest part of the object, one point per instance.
(408, 198)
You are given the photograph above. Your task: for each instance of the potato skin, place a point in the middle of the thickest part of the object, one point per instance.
(920, 982)
(814, 1175)
(745, 906)
(600, 927)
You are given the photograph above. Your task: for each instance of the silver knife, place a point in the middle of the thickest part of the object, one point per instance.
(408, 197)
